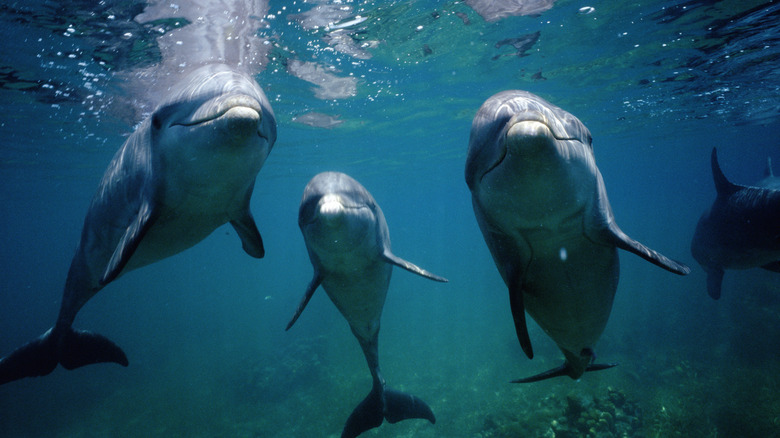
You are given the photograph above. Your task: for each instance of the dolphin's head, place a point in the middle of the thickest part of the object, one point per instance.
(517, 129)
(337, 212)
(217, 113)
(527, 155)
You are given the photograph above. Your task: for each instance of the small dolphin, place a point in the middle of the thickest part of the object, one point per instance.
(542, 207)
(189, 168)
(742, 228)
(349, 246)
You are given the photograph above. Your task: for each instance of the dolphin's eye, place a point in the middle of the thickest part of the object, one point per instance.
(156, 122)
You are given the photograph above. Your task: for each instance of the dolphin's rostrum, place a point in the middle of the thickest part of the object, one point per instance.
(542, 207)
(349, 246)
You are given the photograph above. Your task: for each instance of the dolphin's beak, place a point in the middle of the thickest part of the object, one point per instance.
(528, 129)
(534, 123)
(330, 206)
(219, 106)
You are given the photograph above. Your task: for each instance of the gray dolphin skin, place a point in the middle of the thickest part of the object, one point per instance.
(542, 207)
(349, 246)
(186, 170)
(741, 230)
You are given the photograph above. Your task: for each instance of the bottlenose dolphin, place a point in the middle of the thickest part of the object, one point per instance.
(349, 246)
(742, 228)
(542, 207)
(187, 169)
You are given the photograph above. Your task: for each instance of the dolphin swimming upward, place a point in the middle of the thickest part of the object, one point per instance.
(742, 228)
(349, 246)
(542, 207)
(188, 169)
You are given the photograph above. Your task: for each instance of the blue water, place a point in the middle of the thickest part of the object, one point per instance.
(658, 84)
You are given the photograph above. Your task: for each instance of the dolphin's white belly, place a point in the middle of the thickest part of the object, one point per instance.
(354, 276)
(569, 287)
(360, 295)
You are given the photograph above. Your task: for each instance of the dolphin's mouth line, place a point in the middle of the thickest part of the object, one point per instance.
(213, 116)
(317, 214)
(539, 119)
(496, 164)
(222, 112)
(528, 117)
(217, 106)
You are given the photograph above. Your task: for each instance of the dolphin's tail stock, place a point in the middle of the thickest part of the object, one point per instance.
(70, 348)
(388, 404)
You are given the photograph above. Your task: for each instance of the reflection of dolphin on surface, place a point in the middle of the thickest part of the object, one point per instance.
(542, 207)
(349, 246)
(742, 228)
(522, 44)
(186, 170)
(494, 10)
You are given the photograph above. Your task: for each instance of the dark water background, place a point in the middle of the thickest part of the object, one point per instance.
(658, 84)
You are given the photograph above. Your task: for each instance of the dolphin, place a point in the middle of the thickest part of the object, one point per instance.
(741, 230)
(349, 246)
(542, 207)
(187, 169)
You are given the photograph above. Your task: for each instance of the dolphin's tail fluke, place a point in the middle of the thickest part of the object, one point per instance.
(564, 370)
(402, 406)
(68, 347)
(387, 404)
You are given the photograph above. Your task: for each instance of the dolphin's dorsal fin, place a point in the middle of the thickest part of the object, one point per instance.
(391, 258)
(313, 285)
(127, 245)
(768, 171)
(723, 186)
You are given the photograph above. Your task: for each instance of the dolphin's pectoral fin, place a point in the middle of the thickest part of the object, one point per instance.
(714, 282)
(600, 227)
(71, 348)
(518, 314)
(367, 415)
(402, 406)
(563, 370)
(127, 245)
(622, 241)
(411, 267)
(80, 347)
(247, 230)
(774, 266)
(313, 285)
